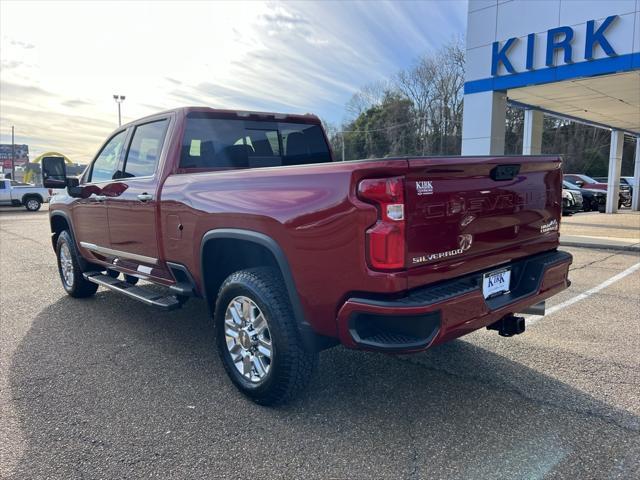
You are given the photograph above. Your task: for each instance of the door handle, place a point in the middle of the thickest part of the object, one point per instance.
(145, 197)
(99, 198)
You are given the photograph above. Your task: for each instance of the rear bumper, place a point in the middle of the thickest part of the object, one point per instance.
(572, 206)
(438, 313)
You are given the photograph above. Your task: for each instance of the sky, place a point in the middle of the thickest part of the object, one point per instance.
(62, 62)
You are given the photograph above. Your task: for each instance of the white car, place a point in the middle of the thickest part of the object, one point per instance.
(16, 194)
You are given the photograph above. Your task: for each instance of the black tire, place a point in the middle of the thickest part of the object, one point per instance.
(32, 204)
(292, 364)
(130, 279)
(79, 287)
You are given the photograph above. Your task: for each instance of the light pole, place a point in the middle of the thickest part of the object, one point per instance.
(13, 155)
(119, 99)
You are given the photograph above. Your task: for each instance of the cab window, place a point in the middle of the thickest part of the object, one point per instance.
(107, 162)
(222, 144)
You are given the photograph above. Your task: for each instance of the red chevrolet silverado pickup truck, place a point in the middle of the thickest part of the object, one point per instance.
(294, 252)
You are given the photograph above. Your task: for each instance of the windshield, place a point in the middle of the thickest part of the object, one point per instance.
(223, 144)
(588, 179)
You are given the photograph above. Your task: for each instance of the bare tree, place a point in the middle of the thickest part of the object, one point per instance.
(417, 84)
(368, 96)
(434, 85)
(449, 92)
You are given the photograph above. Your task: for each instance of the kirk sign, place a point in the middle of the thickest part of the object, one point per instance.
(560, 39)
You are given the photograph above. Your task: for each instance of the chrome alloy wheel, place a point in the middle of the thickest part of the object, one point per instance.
(248, 339)
(32, 204)
(66, 265)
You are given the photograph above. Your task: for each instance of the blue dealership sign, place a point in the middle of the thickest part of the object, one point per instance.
(558, 39)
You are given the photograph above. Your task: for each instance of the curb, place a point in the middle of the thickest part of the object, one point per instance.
(635, 247)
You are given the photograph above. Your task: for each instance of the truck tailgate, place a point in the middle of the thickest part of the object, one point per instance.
(469, 213)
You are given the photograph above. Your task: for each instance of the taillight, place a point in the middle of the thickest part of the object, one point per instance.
(386, 238)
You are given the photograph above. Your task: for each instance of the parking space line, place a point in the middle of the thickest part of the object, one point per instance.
(534, 319)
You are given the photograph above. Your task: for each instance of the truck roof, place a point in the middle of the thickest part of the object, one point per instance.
(225, 113)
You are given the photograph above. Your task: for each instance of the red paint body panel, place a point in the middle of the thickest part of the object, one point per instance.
(132, 223)
(314, 215)
(503, 218)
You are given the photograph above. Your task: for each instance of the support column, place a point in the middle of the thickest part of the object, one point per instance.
(532, 135)
(635, 203)
(615, 166)
(483, 123)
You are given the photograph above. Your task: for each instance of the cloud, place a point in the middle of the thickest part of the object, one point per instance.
(279, 56)
(284, 18)
(10, 64)
(20, 44)
(78, 136)
(10, 89)
(75, 103)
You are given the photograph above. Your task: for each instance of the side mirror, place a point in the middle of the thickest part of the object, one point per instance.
(580, 183)
(54, 172)
(73, 187)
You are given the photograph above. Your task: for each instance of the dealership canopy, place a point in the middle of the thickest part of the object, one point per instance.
(576, 60)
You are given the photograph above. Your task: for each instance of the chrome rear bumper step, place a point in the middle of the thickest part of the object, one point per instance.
(144, 295)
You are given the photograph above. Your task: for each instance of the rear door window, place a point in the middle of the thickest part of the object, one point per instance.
(144, 151)
(214, 143)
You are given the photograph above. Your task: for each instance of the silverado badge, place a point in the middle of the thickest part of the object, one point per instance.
(464, 243)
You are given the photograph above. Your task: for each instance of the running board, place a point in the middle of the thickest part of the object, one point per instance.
(144, 295)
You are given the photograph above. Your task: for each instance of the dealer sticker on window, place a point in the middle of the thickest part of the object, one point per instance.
(496, 282)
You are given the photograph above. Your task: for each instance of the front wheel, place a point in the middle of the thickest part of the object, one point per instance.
(69, 268)
(33, 204)
(257, 338)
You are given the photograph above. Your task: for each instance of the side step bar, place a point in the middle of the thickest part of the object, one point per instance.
(166, 302)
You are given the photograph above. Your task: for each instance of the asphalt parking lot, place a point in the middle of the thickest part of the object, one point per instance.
(109, 388)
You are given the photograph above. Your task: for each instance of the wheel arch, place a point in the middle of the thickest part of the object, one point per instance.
(27, 196)
(224, 251)
(59, 221)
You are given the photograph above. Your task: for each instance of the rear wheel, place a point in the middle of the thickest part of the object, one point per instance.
(69, 268)
(257, 338)
(33, 204)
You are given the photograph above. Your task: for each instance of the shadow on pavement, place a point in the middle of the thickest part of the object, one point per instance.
(108, 388)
